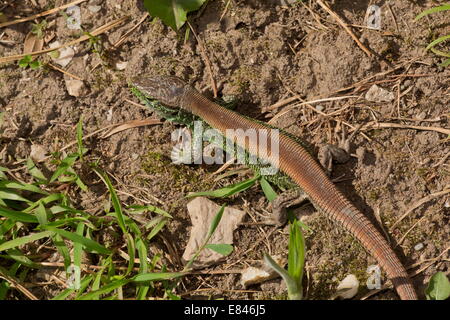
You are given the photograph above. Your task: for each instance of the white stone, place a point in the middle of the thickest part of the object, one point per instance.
(378, 94)
(348, 287)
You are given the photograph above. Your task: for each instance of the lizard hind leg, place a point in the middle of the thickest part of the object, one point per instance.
(289, 198)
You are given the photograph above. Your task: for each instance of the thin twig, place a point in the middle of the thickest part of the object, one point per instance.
(377, 125)
(96, 32)
(64, 71)
(206, 59)
(124, 37)
(344, 25)
(419, 203)
(45, 13)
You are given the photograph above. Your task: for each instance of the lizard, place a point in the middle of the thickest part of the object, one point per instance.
(298, 165)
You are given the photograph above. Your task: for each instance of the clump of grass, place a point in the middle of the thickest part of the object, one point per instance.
(37, 213)
(441, 39)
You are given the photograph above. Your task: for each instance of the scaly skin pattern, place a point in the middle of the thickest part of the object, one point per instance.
(293, 160)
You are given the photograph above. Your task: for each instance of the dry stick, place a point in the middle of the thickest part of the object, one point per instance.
(442, 160)
(15, 283)
(275, 106)
(129, 125)
(207, 61)
(430, 264)
(96, 32)
(393, 17)
(64, 71)
(344, 25)
(399, 242)
(45, 13)
(419, 203)
(377, 125)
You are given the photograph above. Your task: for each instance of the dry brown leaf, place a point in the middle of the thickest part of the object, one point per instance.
(32, 43)
(129, 125)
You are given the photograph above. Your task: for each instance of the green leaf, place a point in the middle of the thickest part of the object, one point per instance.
(433, 10)
(172, 12)
(23, 240)
(297, 249)
(23, 63)
(226, 191)
(223, 249)
(88, 243)
(35, 64)
(267, 189)
(438, 287)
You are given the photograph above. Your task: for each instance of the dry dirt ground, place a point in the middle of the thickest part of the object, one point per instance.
(260, 53)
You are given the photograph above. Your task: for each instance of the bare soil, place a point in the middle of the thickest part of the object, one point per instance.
(260, 53)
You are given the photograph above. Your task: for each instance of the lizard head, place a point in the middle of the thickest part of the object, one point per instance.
(168, 90)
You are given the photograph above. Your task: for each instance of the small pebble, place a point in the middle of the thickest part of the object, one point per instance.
(94, 9)
(418, 246)
(319, 108)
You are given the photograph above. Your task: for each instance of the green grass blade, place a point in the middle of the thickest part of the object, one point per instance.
(216, 221)
(157, 228)
(80, 138)
(433, 10)
(294, 292)
(21, 186)
(90, 245)
(23, 240)
(226, 191)
(131, 247)
(297, 249)
(35, 172)
(134, 209)
(6, 194)
(18, 216)
(18, 256)
(65, 164)
(157, 276)
(437, 41)
(105, 289)
(114, 199)
(62, 249)
(66, 293)
(41, 214)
